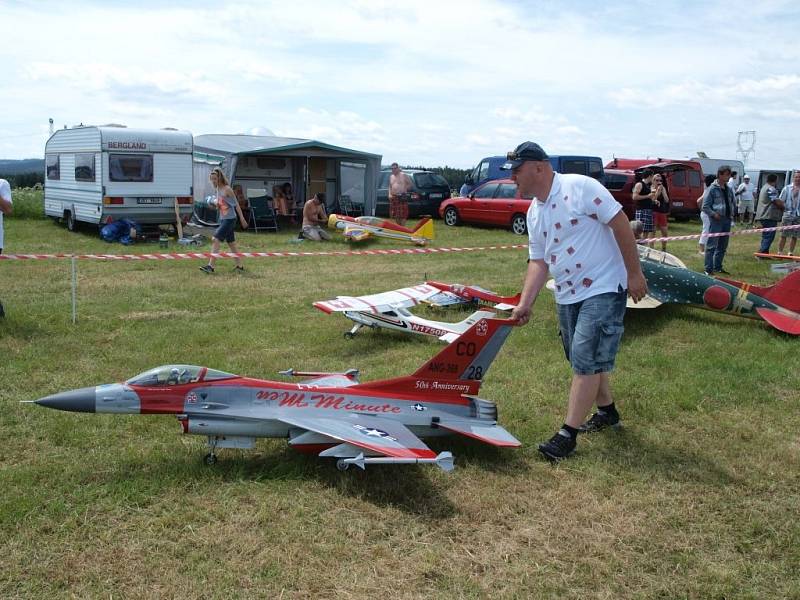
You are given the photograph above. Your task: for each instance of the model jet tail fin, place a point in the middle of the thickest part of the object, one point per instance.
(424, 229)
(457, 370)
(460, 327)
(471, 355)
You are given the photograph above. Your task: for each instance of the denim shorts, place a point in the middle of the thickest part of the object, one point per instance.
(224, 232)
(591, 331)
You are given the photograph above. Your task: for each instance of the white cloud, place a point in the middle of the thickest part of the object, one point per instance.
(433, 82)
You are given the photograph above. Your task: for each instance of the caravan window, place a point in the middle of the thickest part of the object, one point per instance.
(130, 167)
(53, 166)
(84, 167)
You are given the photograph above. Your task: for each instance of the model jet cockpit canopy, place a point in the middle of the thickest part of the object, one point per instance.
(177, 374)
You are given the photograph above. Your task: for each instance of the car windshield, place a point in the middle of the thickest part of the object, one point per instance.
(177, 374)
(423, 180)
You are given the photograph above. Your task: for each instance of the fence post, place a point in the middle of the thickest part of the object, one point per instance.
(74, 289)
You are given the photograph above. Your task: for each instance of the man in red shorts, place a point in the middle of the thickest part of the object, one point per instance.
(400, 185)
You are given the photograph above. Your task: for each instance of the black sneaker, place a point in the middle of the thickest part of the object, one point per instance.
(709, 273)
(599, 421)
(723, 271)
(207, 269)
(559, 447)
(238, 269)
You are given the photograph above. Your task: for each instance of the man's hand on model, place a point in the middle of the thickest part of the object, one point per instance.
(521, 313)
(637, 286)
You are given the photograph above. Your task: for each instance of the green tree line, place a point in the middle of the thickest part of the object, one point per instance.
(24, 180)
(455, 177)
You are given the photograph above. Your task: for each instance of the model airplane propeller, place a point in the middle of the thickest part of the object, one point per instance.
(329, 414)
(389, 310)
(356, 229)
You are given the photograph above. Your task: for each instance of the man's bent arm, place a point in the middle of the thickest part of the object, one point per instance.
(535, 277)
(5, 206)
(637, 285)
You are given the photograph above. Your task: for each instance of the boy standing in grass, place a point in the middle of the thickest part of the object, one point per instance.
(578, 232)
(5, 209)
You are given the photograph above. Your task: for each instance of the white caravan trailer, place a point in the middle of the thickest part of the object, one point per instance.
(101, 174)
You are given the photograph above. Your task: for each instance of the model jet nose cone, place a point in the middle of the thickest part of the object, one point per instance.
(81, 400)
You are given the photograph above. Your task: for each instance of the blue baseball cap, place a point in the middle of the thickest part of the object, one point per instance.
(525, 151)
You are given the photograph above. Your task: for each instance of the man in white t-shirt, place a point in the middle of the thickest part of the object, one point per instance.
(578, 232)
(5, 209)
(746, 200)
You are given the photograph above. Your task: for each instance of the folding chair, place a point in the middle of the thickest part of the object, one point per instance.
(348, 207)
(262, 210)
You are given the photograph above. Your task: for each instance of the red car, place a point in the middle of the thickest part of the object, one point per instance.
(494, 203)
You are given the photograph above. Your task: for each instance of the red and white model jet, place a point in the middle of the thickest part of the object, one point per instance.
(389, 310)
(329, 414)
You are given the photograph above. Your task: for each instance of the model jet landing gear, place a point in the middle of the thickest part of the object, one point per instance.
(211, 458)
(341, 465)
(352, 333)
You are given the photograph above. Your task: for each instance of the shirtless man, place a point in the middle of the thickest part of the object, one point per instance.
(400, 184)
(313, 219)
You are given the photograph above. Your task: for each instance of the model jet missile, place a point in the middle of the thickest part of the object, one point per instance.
(329, 414)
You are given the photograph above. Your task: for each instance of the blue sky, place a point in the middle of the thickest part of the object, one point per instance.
(427, 82)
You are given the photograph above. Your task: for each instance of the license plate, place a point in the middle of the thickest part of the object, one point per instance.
(677, 204)
(149, 200)
(436, 196)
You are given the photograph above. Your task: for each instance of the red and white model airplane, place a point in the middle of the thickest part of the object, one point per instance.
(356, 229)
(329, 414)
(389, 310)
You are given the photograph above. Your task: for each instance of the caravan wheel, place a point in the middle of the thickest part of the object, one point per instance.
(72, 224)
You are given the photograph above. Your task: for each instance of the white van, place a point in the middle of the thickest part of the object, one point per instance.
(101, 174)
(710, 166)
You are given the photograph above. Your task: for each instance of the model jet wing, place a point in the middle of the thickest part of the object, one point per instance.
(378, 303)
(386, 437)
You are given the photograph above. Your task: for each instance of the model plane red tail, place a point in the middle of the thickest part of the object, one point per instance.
(785, 293)
(469, 293)
(459, 368)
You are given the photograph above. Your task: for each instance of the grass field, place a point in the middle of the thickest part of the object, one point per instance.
(696, 497)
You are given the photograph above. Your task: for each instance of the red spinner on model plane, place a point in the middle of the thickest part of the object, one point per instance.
(329, 414)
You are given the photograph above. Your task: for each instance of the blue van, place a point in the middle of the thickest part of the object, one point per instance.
(489, 169)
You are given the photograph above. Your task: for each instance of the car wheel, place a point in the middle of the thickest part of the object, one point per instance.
(519, 225)
(451, 216)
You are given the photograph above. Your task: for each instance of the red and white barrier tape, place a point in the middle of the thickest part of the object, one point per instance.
(719, 234)
(196, 255)
(395, 251)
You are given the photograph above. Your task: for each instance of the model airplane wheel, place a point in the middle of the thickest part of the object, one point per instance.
(341, 465)
(349, 336)
(210, 459)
